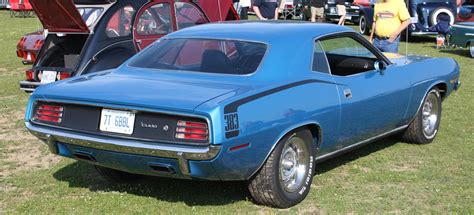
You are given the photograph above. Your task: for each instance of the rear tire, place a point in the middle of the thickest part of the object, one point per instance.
(363, 28)
(471, 49)
(424, 127)
(116, 176)
(285, 178)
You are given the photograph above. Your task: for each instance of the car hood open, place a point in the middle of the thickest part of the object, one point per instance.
(59, 16)
(171, 95)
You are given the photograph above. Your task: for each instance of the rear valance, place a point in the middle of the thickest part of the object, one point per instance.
(59, 16)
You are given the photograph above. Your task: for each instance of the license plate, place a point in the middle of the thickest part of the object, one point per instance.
(117, 121)
(28, 56)
(48, 77)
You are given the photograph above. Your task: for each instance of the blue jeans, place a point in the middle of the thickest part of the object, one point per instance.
(386, 46)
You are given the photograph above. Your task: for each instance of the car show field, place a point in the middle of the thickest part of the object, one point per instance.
(385, 176)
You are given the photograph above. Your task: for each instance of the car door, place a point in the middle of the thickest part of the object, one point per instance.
(153, 21)
(189, 14)
(373, 101)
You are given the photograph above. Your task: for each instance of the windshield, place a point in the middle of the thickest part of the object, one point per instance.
(90, 14)
(202, 55)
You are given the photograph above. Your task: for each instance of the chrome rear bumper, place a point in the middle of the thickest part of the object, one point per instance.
(183, 153)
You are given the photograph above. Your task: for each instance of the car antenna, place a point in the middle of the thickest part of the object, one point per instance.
(406, 46)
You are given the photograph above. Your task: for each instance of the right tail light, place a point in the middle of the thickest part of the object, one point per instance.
(190, 130)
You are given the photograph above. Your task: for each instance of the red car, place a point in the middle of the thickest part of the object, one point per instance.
(87, 36)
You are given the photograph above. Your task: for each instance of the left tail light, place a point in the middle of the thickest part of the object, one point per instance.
(190, 130)
(29, 75)
(49, 113)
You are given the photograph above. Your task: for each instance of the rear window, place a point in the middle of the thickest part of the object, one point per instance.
(202, 55)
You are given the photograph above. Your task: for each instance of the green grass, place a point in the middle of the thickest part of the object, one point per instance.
(387, 176)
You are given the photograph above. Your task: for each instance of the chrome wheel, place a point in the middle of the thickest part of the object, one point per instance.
(430, 116)
(362, 25)
(294, 162)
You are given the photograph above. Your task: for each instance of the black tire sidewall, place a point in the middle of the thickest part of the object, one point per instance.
(364, 20)
(302, 192)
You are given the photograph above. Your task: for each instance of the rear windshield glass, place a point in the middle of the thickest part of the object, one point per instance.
(202, 55)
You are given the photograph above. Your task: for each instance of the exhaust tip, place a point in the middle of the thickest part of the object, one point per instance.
(162, 168)
(84, 156)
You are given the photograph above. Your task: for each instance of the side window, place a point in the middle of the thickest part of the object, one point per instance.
(155, 20)
(320, 63)
(188, 15)
(120, 23)
(346, 56)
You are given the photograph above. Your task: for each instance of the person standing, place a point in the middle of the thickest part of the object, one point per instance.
(317, 10)
(341, 11)
(236, 4)
(391, 17)
(266, 9)
(244, 9)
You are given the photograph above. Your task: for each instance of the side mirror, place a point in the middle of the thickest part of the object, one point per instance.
(380, 66)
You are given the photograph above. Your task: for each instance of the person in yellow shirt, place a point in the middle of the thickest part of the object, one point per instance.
(391, 17)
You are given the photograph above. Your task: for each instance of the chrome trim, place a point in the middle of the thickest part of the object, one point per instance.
(128, 108)
(182, 153)
(361, 143)
(29, 83)
(462, 26)
(423, 33)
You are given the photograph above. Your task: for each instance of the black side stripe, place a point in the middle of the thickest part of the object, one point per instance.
(232, 107)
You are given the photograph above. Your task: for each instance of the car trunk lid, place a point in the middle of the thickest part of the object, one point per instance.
(124, 90)
(60, 16)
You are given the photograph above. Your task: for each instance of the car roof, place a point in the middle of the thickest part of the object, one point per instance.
(270, 32)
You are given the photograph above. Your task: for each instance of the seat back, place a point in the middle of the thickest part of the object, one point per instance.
(215, 61)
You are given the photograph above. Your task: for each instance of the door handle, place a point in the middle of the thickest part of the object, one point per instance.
(139, 42)
(347, 93)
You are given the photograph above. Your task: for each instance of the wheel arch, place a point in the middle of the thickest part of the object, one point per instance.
(313, 126)
(442, 87)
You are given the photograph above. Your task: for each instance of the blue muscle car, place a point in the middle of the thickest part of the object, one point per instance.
(238, 101)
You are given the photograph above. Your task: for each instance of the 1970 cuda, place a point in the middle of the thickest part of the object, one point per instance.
(238, 101)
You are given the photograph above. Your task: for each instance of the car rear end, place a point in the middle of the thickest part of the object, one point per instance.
(131, 139)
(68, 28)
(29, 46)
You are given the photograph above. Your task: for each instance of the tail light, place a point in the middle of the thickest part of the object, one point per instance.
(38, 44)
(29, 57)
(63, 75)
(188, 130)
(29, 75)
(21, 43)
(49, 113)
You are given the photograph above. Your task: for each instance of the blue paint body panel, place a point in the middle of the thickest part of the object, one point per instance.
(282, 95)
